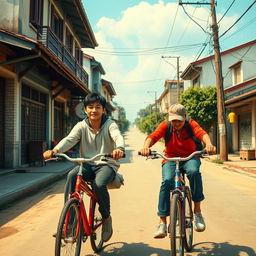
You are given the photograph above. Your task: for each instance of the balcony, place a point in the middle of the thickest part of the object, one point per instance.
(46, 36)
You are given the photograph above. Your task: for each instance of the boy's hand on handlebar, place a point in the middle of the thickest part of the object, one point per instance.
(145, 151)
(210, 149)
(117, 154)
(49, 153)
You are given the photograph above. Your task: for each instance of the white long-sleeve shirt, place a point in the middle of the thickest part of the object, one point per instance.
(105, 140)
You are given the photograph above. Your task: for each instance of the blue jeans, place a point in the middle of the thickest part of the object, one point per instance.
(191, 168)
(100, 175)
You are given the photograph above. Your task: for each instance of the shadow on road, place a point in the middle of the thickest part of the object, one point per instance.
(221, 249)
(141, 249)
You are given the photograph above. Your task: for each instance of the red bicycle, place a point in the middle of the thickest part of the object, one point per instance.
(75, 225)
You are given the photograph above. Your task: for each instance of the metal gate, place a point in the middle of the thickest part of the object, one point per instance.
(33, 119)
(245, 131)
(58, 120)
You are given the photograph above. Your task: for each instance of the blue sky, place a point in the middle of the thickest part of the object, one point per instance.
(133, 35)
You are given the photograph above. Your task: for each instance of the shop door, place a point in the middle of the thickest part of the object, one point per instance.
(245, 131)
(58, 120)
(33, 119)
(2, 93)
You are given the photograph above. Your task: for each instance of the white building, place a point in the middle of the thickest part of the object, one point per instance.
(239, 82)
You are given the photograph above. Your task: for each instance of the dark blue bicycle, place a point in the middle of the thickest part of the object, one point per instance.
(181, 213)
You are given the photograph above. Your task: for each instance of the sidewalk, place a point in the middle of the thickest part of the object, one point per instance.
(17, 183)
(235, 163)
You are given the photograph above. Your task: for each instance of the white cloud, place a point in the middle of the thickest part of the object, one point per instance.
(141, 27)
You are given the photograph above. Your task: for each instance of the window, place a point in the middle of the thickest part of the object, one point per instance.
(196, 82)
(56, 24)
(78, 54)
(237, 77)
(36, 13)
(69, 41)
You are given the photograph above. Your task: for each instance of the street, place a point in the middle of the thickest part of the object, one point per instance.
(229, 210)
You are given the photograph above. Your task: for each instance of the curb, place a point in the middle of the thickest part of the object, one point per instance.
(17, 194)
(234, 167)
(253, 171)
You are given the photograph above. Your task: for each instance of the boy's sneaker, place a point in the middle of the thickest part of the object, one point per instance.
(199, 222)
(161, 231)
(107, 229)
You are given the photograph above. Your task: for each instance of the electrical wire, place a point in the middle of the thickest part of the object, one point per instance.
(150, 51)
(194, 20)
(238, 19)
(226, 11)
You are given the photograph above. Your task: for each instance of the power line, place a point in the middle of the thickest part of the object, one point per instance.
(240, 29)
(238, 19)
(226, 11)
(194, 20)
(149, 51)
(139, 81)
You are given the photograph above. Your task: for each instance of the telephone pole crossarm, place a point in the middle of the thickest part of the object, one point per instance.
(200, 3)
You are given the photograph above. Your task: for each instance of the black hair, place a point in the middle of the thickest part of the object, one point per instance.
(94, 97)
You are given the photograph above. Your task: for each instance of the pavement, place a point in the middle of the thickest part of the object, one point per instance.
(19, 182)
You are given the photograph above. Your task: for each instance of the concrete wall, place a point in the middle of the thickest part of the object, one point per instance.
(9, 15)
(12, 120)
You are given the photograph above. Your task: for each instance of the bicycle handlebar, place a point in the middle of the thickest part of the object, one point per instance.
(79, 159)
(154, 154)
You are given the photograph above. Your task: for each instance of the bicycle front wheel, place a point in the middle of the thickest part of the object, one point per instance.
(96, 236)
(176, 236)
(188, 220)
(69, 231)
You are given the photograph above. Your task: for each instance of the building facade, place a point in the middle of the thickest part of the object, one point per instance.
(41, 73)
(239, 82)
(170, 94)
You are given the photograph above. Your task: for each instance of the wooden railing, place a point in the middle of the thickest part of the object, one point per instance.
(46, 36)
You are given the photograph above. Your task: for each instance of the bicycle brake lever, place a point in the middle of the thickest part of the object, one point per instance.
(152, 157)
(207, 157)
(53, 159)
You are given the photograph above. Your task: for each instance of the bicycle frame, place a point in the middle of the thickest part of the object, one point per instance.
(179, 182)
(82, 186)
(179, 185)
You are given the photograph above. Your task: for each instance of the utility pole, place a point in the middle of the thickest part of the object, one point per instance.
(222, 128)
(178, 73)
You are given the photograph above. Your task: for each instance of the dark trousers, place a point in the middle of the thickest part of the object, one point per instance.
(100, 175)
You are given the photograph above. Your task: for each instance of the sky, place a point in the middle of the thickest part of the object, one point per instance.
(139, 41)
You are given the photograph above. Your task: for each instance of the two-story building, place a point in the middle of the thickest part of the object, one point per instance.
(41, 73)
(170, 94)
(239, 82)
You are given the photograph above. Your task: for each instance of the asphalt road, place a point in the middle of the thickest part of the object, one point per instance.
(229, 210)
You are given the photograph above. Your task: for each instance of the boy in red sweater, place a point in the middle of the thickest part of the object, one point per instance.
(179, 145)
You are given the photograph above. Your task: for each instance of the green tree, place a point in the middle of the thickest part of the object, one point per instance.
(201, 105)
(124, 123)
(147, 123)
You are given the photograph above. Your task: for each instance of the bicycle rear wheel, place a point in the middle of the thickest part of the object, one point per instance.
(176, 236)
(69, 231)
(96, 236)
(188, 220)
